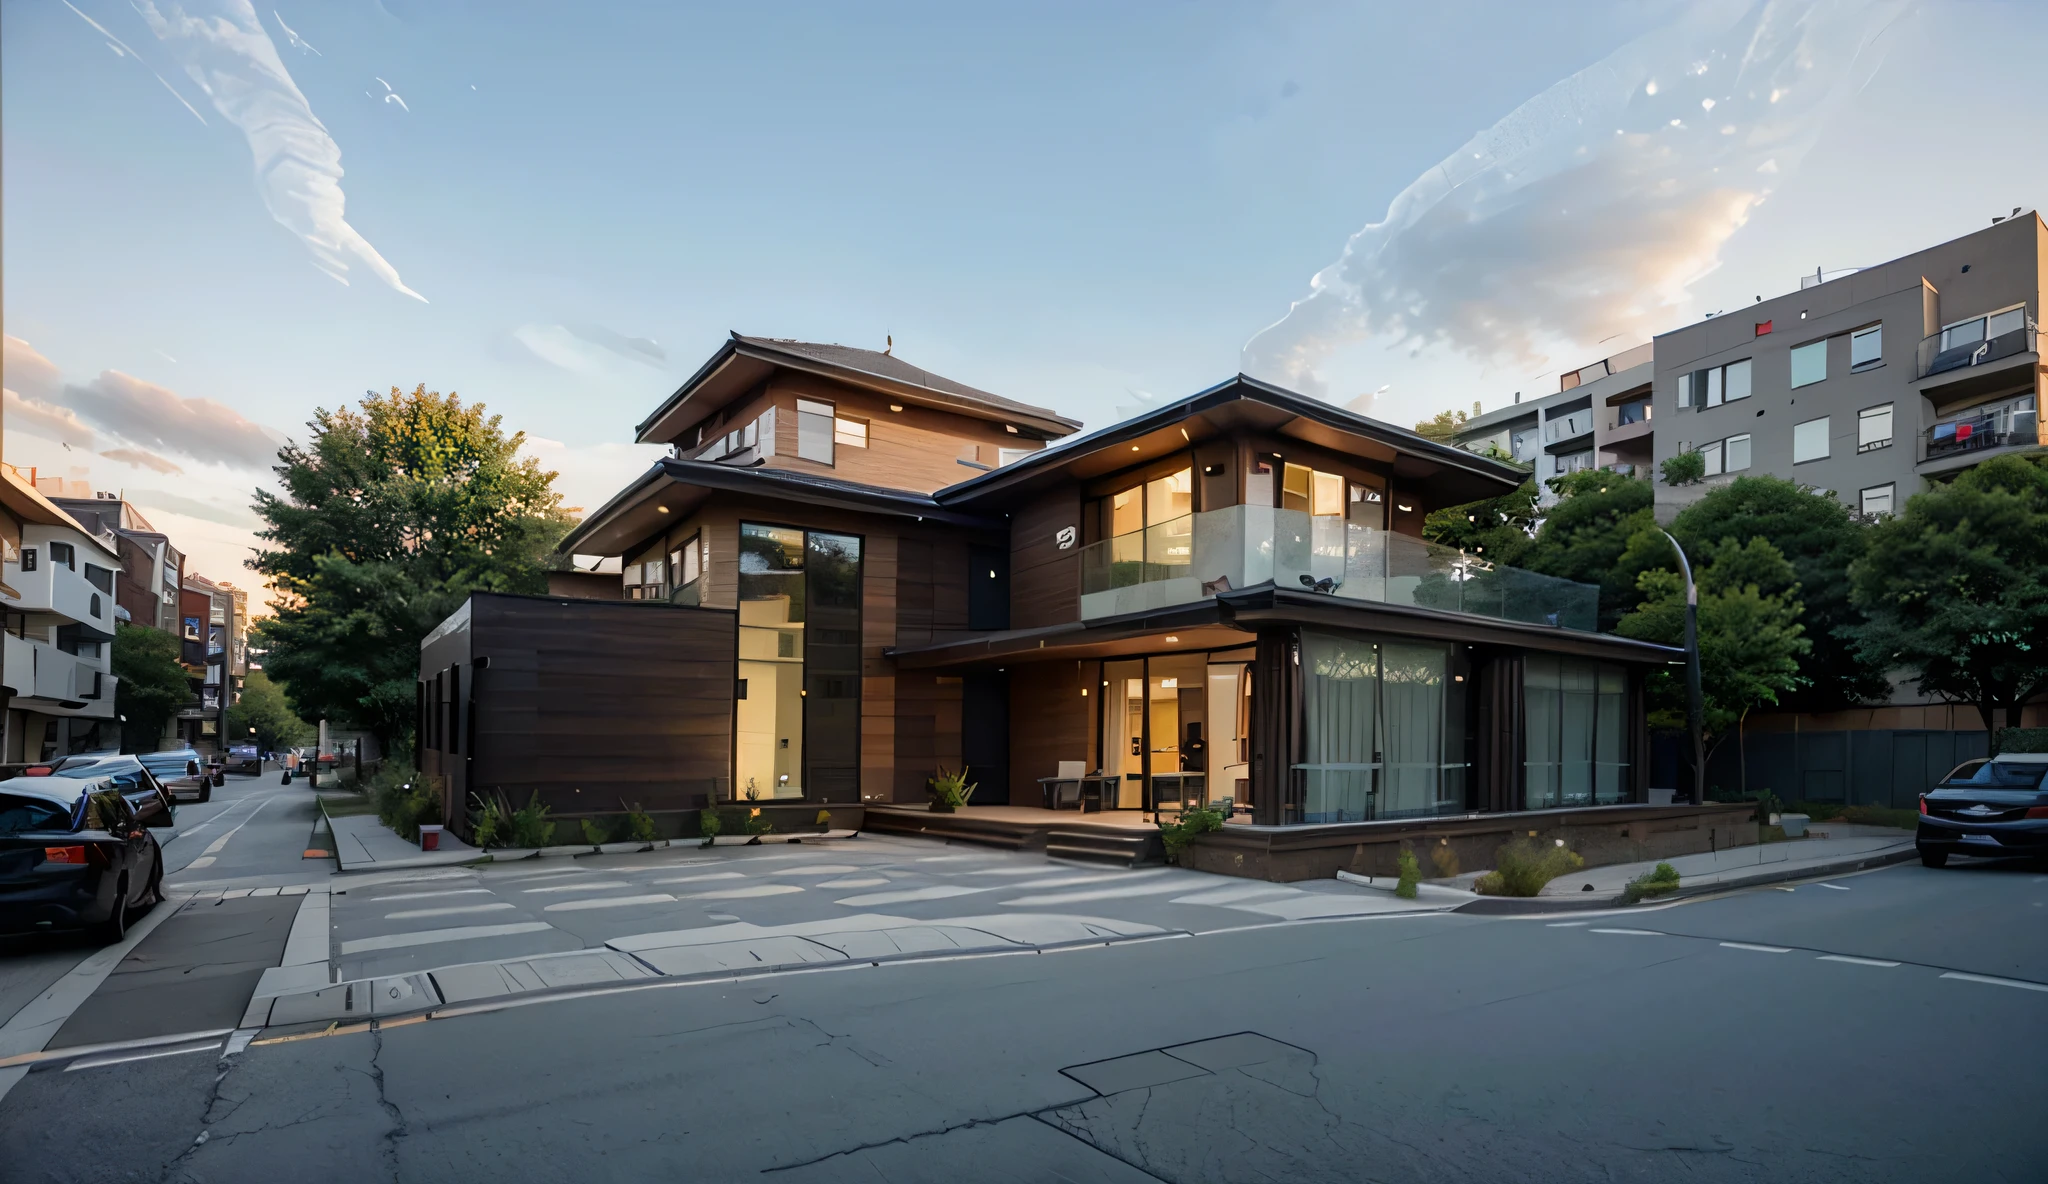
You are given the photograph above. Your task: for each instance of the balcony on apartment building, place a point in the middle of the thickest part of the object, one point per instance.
(1196, 556)
(1627, 421)
(1560, 430)
(1978, 356)
(70, 684)
(1963, 440)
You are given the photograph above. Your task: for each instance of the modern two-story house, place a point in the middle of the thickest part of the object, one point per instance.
(851, 573)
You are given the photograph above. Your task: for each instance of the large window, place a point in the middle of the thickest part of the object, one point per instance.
(1726, 456)
(1874, 428)
(1151, 529)
(799, 665)
(1810, 440)
(686, 571)
(1577, 732)
(1809, 363)
(1984, 328)
(1866, 347)
(1384, 730)
(1877, 499)
(815, 430)
(1714, 386)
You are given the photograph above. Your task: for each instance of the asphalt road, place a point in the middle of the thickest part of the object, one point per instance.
(1885, 1028)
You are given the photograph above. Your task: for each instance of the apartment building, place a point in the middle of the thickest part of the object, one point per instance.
(1599, 417)
(1868, 385)
(212, 630)
(57, 593)
(152, 570)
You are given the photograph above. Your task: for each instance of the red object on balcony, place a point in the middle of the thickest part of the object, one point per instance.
(1762, 327)
(1963, 431)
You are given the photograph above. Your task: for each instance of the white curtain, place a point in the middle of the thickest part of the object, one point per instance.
(1340, 699)
(1415, 677)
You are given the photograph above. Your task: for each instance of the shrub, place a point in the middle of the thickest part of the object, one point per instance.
(1524, 866)
(530, 825)
(950, 791)
(1411, 872)
(1685, 468)
(640, 825)
(402, 803)
(1184, 830)
(1655, 882)
(2020, 740)
(758, 824)
(490, 827)
(597, 831)
(1445, 859)
(708, 823)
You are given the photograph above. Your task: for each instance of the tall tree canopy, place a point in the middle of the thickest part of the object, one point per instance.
(391, 516)
(1955, 589)
(152, 684)
(1584, 535)
(1820, 537)
(262, 717)
(1497, 529)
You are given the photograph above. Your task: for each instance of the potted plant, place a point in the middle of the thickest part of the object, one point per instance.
(950, 791)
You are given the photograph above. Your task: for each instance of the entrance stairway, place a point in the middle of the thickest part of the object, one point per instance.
(1036, 830)
(1124, 848)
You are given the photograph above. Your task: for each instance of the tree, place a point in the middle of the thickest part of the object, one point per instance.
(1821, 538)
(391, 516)
(1750, 637)
(262, 716)
(1955, 589)
(1497, 529)
(1585, 534)
(1444, 425)
(152, 687)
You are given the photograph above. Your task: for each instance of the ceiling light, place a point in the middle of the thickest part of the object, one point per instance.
(1172, 640)
(1009, 429)
(1403, 508)
(662, 509)
(895, 406)
(1134, 448)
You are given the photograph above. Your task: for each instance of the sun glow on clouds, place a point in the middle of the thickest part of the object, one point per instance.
(1585, 213)
(298, 164)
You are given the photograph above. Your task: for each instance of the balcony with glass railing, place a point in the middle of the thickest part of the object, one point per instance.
(2012, 424)
(1196, 556)
(1962, 348)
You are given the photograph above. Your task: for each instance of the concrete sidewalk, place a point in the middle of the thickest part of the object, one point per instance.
(362, 843)
(1742, 864)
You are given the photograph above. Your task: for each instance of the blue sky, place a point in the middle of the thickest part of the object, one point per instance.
(1075, 205)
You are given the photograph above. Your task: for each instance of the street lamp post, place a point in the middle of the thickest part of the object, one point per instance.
(1695, 705)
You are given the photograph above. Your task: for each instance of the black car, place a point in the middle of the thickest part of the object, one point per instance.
(1997, 806)
(76, 852)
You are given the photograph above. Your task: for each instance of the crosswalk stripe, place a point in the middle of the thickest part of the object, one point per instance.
(579, 887)
(430, 895)
(609, 902)
(935, 892)
(451, 911)
(743, 893)
(1089, 894)
(428, 937)
(700, 877)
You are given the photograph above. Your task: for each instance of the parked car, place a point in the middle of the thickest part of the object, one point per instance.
(76, 849)
(245, 758)
(1996, 806)
(182, 771)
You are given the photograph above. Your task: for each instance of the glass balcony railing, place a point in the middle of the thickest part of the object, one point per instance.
(2015, 424)
(1977, 343)
(1196, 556)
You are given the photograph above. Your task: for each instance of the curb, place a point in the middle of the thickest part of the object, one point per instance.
(1501, 906)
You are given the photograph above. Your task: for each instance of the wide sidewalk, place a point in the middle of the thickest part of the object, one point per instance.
(1739, 865)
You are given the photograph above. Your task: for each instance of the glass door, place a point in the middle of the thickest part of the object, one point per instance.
(1176, 704)
(1228, 756)
(1123, 733)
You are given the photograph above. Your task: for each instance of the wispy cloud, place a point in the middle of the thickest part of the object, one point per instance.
(292, 38)
(1587, 211)
(141, 459)
(122, 49)
(298, 164)
(28, 371)
(37, 418)
(586, 348)
(148, 415)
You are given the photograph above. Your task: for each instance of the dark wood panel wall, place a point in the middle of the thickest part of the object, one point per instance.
(591, 704)
(1050, 721)
(1276, 728)
(916, 448)
(1498, 763)
(1045, 580)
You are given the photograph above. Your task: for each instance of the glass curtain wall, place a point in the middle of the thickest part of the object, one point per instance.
(1385, 729)
(1229, 733)
(1123, 732)
(1577, 738)
(1177, 710)
(799, 665)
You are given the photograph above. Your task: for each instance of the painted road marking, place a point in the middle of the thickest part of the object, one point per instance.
(1629, 932)
(429, 895)
(1836, 887)
(122, 1058)
(613, 902)
(451, 911)
(1996, 982)
(1743, 945)
(826, 869)
(572, 871)
(857, 882)
(1233, 895)
(935, 892)
(1566, 924)
(428, 937)
(1856, 961)
(700, 877)
(950, 858)
(580, 887)
(1087, 895)
(743, 893)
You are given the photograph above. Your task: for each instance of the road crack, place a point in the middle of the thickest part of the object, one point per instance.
(398, 1129)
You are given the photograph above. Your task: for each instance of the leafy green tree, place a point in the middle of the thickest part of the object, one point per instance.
(1686, 468)
(1585, 534)
(1821, 537)
(1955, 589)
(153, 685)
(1750, 637)
(263, 711)
(1497, 529)
(1444, 425)
(391, 516)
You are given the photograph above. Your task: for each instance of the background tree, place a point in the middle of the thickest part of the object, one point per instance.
(1442, 426)
(1585, 534)
(262, 707)
(153, 685)
(1820, 537)
(1750, 637)
(1955, 589)
(391, 516)
(1498, 529)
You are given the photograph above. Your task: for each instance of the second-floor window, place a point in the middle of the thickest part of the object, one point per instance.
(65, 554)
(849, 433)
(99, 577)
(1726, 456)
(1628, 413)
(1714, 386)
(1874, 428)
(685, 569)
(814, 431)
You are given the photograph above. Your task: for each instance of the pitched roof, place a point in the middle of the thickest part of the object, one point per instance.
(743, 361)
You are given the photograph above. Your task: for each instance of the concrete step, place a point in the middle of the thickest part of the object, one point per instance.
(1121, 848)
(954, 828)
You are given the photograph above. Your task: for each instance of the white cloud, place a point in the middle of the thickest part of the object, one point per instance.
(149, 415)
(1585, 213)
(29, 372)
(143, 459)
(38, 418)
(588, 349)
(298, 164)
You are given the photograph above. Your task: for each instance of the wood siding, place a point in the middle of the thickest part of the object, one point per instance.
(1050, 721)
(917, 448)
(1045, 581)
